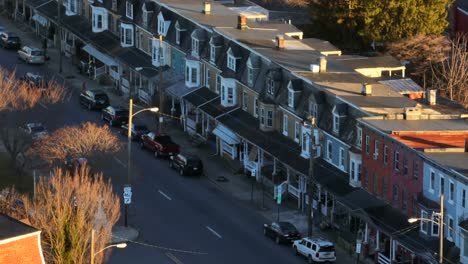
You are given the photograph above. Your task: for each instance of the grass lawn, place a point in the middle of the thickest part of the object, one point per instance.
(9, 176)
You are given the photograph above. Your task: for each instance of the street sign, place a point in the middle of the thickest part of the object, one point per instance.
(127, 200)
(279, 193)
(358, 247)
(127, 194)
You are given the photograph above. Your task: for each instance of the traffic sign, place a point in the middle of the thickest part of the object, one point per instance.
(127, 194)
(127, 200)
(279, 191)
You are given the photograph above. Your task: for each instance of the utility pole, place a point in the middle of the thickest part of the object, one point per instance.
(92, 246)
(441, 227)
(59, 35)
(311, 175)
(161, 86)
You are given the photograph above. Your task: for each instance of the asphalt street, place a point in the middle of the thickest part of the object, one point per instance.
(180, 219)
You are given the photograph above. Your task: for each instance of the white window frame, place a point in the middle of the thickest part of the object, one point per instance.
(269, 118)
(376, 149)
(218, 84)
(441, 188)
(126, 30)
(336, 123)
(207, 77)
(367, 144)
(96, 14)
(285, 124)
(450, 228)
(193, 70)
(262, 116)
(385, 154)
(396, 161)
(341, 161)
(161, 25)
(291, 98)
(329, 150)
(432, 179)
(463, 198)
(435, 222)
(177, 36)
(245, 100)
(313, 110)
(145, 17)
(451, 194)
(255, 107)
(424, 225)
(228, 92)
(212, 53)
(249, 75)
(129, 9)
(72, 7)
(231, 62)
(270, 86)
(359, 136)
(158, 55)
(195, 46)
(297, 132)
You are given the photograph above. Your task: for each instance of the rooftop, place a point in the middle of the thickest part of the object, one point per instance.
(427, 125)
(453, 160)
(10, 227)
(429, 140)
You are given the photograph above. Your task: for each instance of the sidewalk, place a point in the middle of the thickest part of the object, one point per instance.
(237, 185)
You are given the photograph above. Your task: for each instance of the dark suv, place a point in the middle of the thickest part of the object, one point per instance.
(10, 40)
(94, 99)
(187, 164)
(115, 115)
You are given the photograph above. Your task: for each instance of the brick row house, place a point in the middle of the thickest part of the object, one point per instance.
(250, 88)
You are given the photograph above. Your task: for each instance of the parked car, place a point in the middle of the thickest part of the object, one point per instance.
(94, 99)
(187, 164)
(32, 55)
(137, 130)
(35, 80)
(35, 130)
(161, 145)
(9, 40)
(75, 164)
(115, 115)
(315, 250)
(281, 232)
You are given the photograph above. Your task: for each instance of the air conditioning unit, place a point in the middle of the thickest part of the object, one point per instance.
(317, 151)
(376, 156)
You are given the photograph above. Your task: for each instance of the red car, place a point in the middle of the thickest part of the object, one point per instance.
(161, 145)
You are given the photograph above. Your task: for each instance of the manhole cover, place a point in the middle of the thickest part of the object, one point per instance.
(222, 179)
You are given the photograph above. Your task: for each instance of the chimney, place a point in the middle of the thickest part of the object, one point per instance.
(206, 8)
(314, 68)
(366, 89)
(279, 42)
(323, 64)
(241, 22)
(412, 113)
(431, 95)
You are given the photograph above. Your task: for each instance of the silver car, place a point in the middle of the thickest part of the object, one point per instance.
(32, 55)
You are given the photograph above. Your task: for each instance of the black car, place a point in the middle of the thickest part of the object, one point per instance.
(35, 81)
(94, 99)
(187, 164)
(115, 115)
(10, 40)
(137, 130)
(281, 232)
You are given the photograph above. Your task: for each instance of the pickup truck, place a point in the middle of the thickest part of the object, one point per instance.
(161, 145)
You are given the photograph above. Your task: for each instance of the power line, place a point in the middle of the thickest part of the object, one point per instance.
(161, 247)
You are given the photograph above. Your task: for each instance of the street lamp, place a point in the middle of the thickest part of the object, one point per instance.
(441, 227)
(311, 172)
(93, 255)
(129, 150)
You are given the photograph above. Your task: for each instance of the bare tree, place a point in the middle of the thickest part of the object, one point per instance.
(83, 141)
(15, 143)
(450, 77)
(66, 208)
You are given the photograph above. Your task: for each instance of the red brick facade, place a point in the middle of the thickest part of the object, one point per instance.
(21, 251)
(461, 20)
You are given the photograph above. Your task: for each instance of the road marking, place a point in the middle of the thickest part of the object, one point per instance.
(120, 162)
(214, 232)
(173, 258)
(165, 195)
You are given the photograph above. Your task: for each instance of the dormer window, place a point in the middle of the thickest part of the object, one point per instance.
(339, 112)
(192, 73)
(271, 86)
(195, 46)
(99, 19)
(290, 98)
(71, 8)
(126, 35)
(163, 25)
(212, 53)
(158, 58)
(228, 92)
(313, 110)
(178, 32)
(336, 123)
(145, 17)
(231, 63)
(129, 9)
(249, 75)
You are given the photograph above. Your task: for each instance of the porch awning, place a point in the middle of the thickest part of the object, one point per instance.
(178, 89)
(99, 55)
(200, 96)
(40, 19)
(226, 135)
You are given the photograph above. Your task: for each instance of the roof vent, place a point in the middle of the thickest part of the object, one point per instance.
(323, 64)
(241, 22)
(431, 95)
(314, 68)
(206, 8)
(412, 113)
(279, 42)
(366, 89)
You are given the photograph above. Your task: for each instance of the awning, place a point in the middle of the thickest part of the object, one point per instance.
(226, 135)
(178, 89)
(99, 55)
(40, 19)
(200, 96)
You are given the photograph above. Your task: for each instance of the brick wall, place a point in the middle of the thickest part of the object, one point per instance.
(21, 251)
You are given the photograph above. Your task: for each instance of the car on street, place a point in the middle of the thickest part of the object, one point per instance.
(35, 130)
(137, 130)
(115, 115)
(186, 164)
(282, 232)
(316, 250)
(94, 99)
(160, 145)
(35, 80)
(9, 40)
(32, 55)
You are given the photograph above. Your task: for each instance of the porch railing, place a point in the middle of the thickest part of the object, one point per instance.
(251, 166)
(293, 190)
(115, 75)
(284, 189)
(144, 96)
(99, 71)
(382, 259)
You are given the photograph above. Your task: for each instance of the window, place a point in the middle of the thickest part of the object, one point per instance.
(366, 178)
(290, 98)
(450, 228)
(255, 106)
(342, 158)
(367, 144)
(395, 194)
(396, 162)
(435, 225)
(451, 191)
(376, 149)
(249, 75)
(384, 187)
(212, 53)
(305, 143)
(404, 199)
(262, 116)
(442, 186)
(145, 18)
(161, 25)
(336, 123)
(99, 19)
(374, 182)
(405, 166)
(269, 118)
(285, 124)
(385, 154)
(177, 36)
(126, 35)
(463, 198)
(329, 150)
(359, 172)
(207, 78)
(192, 73)
(297, 131)
(465, 247)
(114, 5)
(195, 46)
(129, 9)
(432, 181)
(424, 224)
(218, 83)
(230, 95)
(414, 204)
(415, 169)
(271, 86)
(231, 63)
(313, 110)
(359, 137)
